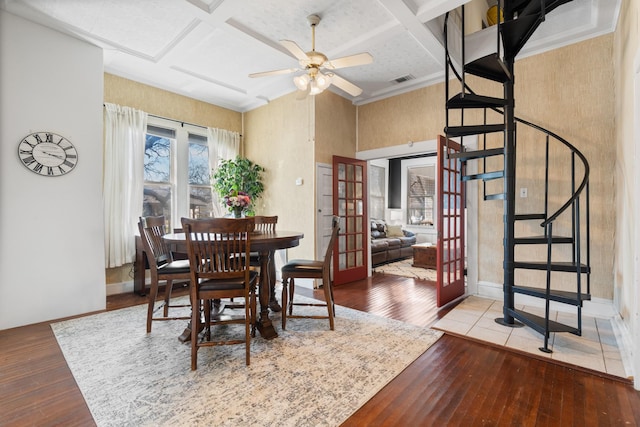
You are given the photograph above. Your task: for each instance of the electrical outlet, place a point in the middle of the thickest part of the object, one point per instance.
(523, 192)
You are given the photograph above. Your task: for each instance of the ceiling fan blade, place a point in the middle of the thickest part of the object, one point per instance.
(345, 85)
(274, 73)
(295, 50)
(349, 61)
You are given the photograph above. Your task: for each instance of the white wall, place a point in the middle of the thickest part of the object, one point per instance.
(51, 229)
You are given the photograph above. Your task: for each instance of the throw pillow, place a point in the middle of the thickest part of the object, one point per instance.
(394, 231)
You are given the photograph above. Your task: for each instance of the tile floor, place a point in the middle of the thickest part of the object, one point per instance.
(596, 349)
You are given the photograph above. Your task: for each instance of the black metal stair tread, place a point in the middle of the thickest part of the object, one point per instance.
(489, 67)
(470, 100)
(534, 240)
(538, 323)
(473, 130)
(533, 7)
(517, 32)
(525, 217)
(569, 267)
(566, 297)
(477, 154)
(485, 176)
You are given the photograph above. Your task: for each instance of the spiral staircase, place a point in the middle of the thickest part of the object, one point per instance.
(567, 278)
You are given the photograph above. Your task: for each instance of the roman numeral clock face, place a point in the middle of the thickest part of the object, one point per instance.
(47, 154)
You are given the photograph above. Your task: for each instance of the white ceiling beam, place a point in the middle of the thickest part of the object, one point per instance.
(416, 28)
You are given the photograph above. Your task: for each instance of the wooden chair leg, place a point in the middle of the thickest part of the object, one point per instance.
(292, 288)
(326, 284)
(167, 297)
(247, 333)
(153, 294)
(195, 327)
(284, 302)
(207, 319)
(254, 314)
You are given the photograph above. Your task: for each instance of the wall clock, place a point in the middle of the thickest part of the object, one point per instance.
(47, 154)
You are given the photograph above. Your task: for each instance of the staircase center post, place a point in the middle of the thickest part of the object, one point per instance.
(509, 194)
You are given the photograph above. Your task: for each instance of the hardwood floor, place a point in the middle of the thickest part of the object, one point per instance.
(455, 382)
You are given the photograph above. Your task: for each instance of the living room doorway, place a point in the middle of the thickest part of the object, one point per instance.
(425, 149)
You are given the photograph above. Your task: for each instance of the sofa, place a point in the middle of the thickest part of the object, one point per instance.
(389, 243)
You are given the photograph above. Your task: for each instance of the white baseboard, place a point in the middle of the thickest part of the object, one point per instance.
(625, 344)
(597, 307)
(119, 288)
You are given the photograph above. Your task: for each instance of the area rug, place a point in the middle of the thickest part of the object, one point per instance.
(308, 376)
(405, 269)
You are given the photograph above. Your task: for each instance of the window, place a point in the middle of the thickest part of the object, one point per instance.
(200, 192)
(376, 191)
(158, 179)
(420, 195)
(177, 179)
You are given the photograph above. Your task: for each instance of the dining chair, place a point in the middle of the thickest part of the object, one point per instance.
(267, 224)
(162, 266)
(310, 269)
(218, 251)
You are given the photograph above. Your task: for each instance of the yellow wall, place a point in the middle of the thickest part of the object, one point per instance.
(570, 92)
(414, 116)
(288, 137)
(121, 91)
(279, 137)
(335, 127)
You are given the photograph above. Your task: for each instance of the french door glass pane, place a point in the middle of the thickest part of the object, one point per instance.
(341, 172)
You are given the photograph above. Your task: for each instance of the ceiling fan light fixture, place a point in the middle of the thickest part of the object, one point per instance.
(313, 81)
(323, 81)
(314, 89)
(301, 81)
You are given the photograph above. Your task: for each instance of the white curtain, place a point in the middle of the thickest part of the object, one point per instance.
(125, 130)
(223, 145)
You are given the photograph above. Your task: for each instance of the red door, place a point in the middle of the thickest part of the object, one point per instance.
(350, 255)
(451, 222)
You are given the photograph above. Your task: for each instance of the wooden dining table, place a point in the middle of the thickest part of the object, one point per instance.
(264, 243)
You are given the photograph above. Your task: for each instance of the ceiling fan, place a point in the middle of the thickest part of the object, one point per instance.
(317, 66)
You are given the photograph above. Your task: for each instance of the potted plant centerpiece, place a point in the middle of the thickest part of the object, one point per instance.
(238, 183)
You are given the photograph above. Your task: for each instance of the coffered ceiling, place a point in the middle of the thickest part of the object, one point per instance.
(205, 49)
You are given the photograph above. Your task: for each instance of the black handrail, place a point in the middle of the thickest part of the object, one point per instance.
(575, 151)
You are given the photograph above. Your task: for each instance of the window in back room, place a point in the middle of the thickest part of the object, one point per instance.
(377, 192)
(421, 191)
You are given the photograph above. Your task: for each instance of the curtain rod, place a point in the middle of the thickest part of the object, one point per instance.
(182, 123)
